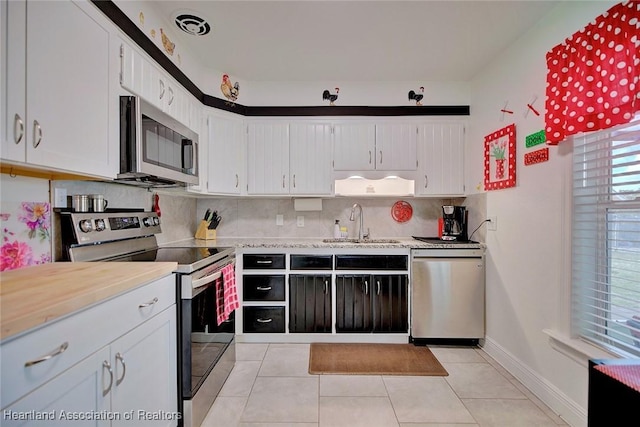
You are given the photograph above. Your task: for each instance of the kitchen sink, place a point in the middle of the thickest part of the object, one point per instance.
(359, 241)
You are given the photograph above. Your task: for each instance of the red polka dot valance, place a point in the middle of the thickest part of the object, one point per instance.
(593, 77)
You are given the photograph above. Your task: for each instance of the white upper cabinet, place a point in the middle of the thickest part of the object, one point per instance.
(143, 77)
(440, 159)
(68, 119)
(268, 158)
(310, 159)
(225, 144)
(396, 146)
(381, 146)
(354, 146)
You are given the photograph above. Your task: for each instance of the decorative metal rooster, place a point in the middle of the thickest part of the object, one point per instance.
(332, 97)
(417, 96)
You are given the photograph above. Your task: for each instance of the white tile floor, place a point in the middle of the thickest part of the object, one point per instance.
(270, 387)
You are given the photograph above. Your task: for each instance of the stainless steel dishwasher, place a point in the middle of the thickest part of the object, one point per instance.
(448, 295)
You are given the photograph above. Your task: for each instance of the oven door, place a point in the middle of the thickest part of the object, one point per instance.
(207, 349)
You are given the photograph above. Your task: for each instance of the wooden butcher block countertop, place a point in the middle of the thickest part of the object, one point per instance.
(32, 296)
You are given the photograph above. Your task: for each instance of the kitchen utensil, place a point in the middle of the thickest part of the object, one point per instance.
(80, 203)
(156, 204)
(206, 215)
(98, 203)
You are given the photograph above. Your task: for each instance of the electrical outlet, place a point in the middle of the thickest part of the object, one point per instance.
(279, 219)
(60, 198)
(300, 221)
(493, 223)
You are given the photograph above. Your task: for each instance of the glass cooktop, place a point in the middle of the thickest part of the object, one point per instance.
(188, 259)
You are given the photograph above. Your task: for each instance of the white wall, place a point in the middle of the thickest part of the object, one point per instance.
(527, 265)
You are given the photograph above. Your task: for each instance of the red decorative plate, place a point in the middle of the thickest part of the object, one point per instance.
(401, 211)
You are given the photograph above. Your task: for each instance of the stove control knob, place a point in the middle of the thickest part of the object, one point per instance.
(156, 220)
(85, 225)
(100, 225)
(148, 221)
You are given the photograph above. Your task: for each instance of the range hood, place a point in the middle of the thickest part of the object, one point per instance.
(389, 186)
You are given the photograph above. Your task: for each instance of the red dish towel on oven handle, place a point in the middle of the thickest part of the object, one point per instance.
(226, 294)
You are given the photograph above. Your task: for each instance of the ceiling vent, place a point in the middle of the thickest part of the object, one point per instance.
(192, 24)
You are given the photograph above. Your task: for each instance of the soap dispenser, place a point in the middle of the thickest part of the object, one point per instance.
(336, 230)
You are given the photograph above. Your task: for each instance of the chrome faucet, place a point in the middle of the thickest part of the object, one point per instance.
(352, 217)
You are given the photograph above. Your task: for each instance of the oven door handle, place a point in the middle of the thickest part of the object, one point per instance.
(206, 279)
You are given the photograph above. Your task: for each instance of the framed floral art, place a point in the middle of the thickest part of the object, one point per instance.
(500, 159)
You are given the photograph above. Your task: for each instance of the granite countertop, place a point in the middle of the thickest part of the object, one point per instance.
(33, 296)
(266, 242)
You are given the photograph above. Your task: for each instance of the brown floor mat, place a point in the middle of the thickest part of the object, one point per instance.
(373, 359)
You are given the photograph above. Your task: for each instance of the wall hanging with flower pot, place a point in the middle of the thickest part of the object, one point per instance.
(500, 158)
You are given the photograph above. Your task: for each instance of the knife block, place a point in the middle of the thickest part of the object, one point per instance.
(204, 233)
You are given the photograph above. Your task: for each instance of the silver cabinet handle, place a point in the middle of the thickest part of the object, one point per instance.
(58, 351)
(326, 287)
(264, 320)
(263, 288)
(161, 88)
(266, 261)
(426, 181)
(237, 181)
(148, 304)
(120, 358)
(294, 180)
(107, 365)
(378, 287)
(171, 95)
(283, 177)
(18, 129)
(37, 134)
(369, 156)
(366, 287)
(380, 156)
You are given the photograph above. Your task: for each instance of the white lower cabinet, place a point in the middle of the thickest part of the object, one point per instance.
(77, 391)
(144, 373)
(128, 377)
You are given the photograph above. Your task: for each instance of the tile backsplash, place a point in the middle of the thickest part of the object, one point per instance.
(256, 217)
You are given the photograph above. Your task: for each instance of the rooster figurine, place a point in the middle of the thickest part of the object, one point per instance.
(332, 97)
(230, 92)
(167, 43)
(417, 96)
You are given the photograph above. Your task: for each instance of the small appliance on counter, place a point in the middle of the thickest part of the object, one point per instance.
(454, 223)
(452, 226)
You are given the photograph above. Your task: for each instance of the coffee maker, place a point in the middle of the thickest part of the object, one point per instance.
(454, 223)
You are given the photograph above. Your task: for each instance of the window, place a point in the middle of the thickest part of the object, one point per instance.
(606, 238)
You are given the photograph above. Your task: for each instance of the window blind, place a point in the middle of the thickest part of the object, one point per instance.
(606, 238)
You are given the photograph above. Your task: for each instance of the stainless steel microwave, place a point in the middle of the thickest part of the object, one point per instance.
(155, 149)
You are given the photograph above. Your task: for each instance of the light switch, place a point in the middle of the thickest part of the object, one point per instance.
(279, 219)
(300, 221)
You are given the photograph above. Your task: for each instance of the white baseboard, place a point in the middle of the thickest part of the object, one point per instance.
(572, 413)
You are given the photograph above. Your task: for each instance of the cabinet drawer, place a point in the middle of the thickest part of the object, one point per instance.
(311, 262)
(263, 261)
(371, 262)
(83, 332)
(263, 319)
(263, 288)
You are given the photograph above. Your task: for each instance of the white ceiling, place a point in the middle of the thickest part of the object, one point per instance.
(354, 40)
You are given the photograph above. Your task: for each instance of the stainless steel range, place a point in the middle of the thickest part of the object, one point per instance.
(206, 350)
